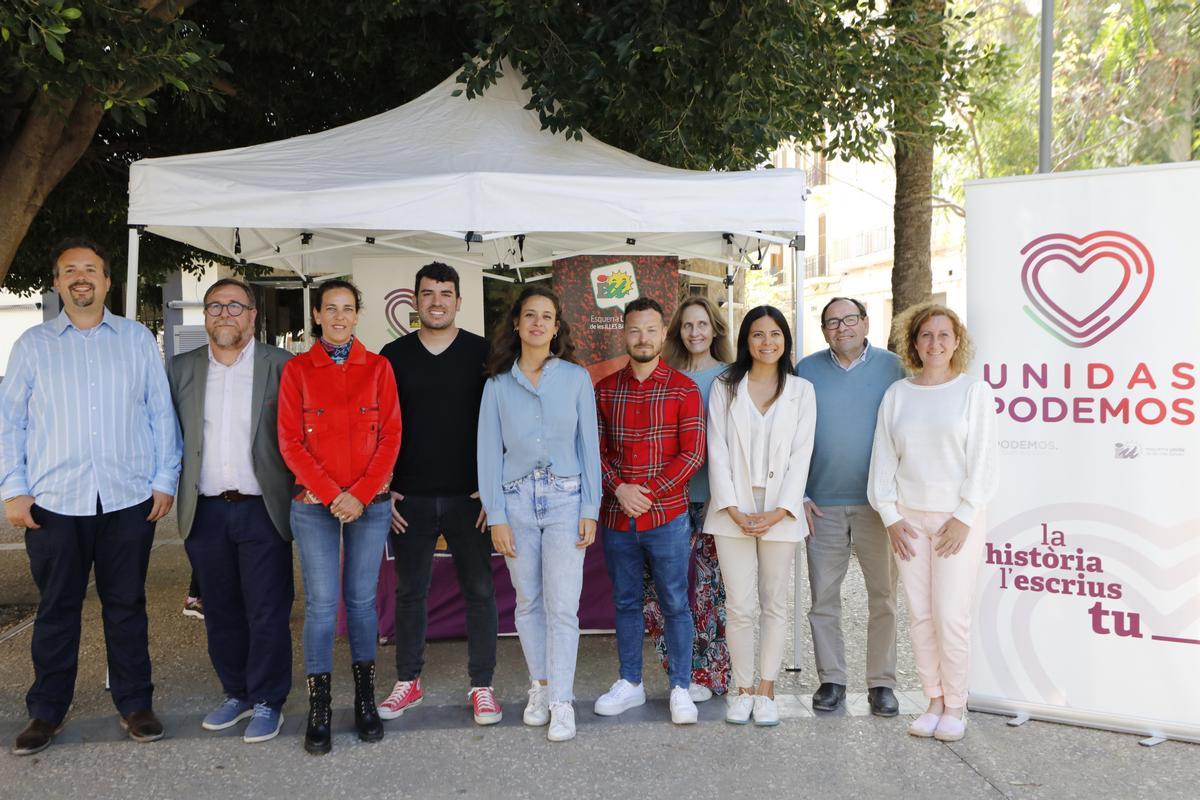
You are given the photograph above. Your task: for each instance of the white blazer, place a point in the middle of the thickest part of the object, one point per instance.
(791, 443)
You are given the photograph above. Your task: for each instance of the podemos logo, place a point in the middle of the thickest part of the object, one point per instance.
(1083, 289)
(614, 285)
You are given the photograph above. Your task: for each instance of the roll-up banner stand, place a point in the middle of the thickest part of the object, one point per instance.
(1082, 300)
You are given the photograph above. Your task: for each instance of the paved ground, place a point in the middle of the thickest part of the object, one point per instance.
(436, 751)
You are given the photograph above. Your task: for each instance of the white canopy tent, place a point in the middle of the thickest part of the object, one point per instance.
(475, 183)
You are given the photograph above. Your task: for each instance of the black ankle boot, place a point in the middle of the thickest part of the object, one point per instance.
(318, 738)
(366, 716)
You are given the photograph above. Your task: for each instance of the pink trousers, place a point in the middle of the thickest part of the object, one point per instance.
(941, 593)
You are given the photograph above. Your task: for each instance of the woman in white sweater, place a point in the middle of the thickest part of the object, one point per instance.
(932, 472)
(761, 421)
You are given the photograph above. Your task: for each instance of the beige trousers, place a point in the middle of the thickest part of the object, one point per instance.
(756, 577)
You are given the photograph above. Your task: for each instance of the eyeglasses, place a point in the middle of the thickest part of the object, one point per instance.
(235, 308)
(850, 320)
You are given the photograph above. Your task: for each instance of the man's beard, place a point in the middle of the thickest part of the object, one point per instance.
(437, 325)
(645, 359)
(226, 336)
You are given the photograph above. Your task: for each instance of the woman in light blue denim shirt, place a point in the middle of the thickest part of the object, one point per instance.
(539, 480)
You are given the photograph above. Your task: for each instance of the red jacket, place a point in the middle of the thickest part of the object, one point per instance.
(339, 424)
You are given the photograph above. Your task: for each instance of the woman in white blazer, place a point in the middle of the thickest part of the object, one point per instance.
(761, 420)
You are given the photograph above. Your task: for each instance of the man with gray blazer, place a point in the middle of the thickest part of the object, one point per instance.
(234, 500)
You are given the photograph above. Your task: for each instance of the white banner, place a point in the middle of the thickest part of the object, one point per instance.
(1082, 298)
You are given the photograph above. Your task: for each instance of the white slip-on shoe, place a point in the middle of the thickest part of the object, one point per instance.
(621, 697)
(766, 713)
(738, 708)
(699, 693)
(683, 710)
(562, 722)
(951, 728)
(537, 710)
(924, 725)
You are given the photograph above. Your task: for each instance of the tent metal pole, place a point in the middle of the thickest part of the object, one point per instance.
(730, 276)
(798, 267)
(131, 272)
(307, 294)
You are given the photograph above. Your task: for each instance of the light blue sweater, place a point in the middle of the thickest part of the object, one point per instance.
(847, 407)
(698, 485)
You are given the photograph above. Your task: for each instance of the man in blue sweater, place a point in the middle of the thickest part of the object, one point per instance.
(850, 379)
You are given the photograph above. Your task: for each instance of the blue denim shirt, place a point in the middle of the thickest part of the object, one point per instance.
(553, 426)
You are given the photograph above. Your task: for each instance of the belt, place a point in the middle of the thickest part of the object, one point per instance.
(232, 496)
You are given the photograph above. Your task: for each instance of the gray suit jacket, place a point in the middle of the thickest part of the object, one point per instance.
(188, 376)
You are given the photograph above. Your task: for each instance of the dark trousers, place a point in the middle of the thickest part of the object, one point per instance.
(62, 552)
(454, 518)
(244, 568)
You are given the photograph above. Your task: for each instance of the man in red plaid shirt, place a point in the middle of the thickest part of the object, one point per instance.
(651, 442)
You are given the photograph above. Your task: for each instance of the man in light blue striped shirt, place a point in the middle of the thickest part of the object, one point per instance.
(89, 459)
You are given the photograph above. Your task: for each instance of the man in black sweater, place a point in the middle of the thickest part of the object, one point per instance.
(439, 377)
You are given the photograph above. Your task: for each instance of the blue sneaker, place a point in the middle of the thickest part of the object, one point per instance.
(231, 711)
(264, 725)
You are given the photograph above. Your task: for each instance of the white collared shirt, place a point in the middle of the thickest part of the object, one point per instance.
(227, 462)
(860, 360)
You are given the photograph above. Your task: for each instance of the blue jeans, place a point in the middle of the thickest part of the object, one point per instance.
(547, 574)
(668, 549)
(321, 538)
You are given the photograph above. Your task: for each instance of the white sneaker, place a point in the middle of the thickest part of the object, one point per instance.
(766, 713)
(738, 708)
(683, 710)
(537, 712)
(562, 722)
(699, 693)
(620, 698)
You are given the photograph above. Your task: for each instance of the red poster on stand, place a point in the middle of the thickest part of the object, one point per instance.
(595, 290)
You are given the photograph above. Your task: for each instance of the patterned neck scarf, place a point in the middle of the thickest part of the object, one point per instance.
(338, 353)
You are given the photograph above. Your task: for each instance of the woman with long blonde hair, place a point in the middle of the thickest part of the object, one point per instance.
(698, 345)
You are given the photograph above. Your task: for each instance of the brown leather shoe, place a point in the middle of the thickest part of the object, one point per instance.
(143, 726)
(35, 738)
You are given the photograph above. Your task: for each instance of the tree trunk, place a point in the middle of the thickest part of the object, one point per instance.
(916, 103)
(49, 141)
(912, 271)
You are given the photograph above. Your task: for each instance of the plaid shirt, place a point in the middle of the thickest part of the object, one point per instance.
(651, 433)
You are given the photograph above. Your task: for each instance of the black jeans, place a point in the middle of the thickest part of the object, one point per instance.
(245, 572)
(62, 552)
(454, 518)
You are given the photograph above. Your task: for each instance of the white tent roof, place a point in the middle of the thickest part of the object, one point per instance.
(419, 178)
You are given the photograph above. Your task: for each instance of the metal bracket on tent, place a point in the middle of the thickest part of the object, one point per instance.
(1020, 719)
(728, 280)
(237, 241)
(631, 241)
(370, 240)
(520, 237)
(305, 238)
(797, 242)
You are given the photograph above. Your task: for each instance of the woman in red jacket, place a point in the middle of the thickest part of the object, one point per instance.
(339, 432)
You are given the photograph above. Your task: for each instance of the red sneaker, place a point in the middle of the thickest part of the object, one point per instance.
(484, 704)
(405, 695)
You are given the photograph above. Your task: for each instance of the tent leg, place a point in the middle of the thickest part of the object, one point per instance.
(131, 273)
(730, 274)
(801, 551)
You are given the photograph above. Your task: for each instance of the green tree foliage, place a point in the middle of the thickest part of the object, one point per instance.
(691, 83)
(1126, 88)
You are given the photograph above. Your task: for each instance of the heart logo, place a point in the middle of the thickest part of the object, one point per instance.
(398, 319)
(1083, 289)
